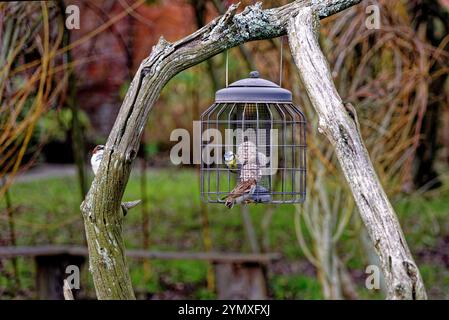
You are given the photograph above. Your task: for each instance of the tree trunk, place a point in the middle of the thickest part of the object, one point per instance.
(102, 207)
(339, 123)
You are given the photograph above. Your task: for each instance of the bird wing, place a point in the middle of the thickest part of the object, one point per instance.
(242, 188)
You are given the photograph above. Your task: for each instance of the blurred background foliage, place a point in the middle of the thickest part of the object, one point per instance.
(61, 90)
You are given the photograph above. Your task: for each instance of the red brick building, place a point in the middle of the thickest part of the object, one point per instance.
(107, 61)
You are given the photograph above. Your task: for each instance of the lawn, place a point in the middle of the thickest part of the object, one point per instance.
(47, 212)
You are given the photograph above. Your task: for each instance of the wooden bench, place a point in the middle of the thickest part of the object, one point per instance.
(239, 275)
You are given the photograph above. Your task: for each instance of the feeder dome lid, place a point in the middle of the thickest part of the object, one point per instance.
(253, 89)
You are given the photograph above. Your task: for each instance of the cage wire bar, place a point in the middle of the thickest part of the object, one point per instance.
(257, 122)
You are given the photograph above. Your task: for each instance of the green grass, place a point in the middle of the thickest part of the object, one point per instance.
(47, 212)
(296, 287)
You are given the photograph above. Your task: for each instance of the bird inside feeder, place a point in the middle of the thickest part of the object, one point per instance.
(256, 137)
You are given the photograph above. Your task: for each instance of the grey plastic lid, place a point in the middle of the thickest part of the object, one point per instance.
(253, 89)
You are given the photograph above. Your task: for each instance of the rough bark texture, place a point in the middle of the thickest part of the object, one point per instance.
(338, 121)
(102, 207)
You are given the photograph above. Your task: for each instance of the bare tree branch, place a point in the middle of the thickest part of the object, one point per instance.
(338, 121)
(68, 295)
(246, 54)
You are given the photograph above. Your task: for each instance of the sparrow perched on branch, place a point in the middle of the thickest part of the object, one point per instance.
(97, 155)
(241, 194)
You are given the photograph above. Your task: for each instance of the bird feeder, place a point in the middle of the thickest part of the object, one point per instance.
(253, 132)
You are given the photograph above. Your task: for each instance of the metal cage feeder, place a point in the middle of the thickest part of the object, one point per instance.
(253, 131)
